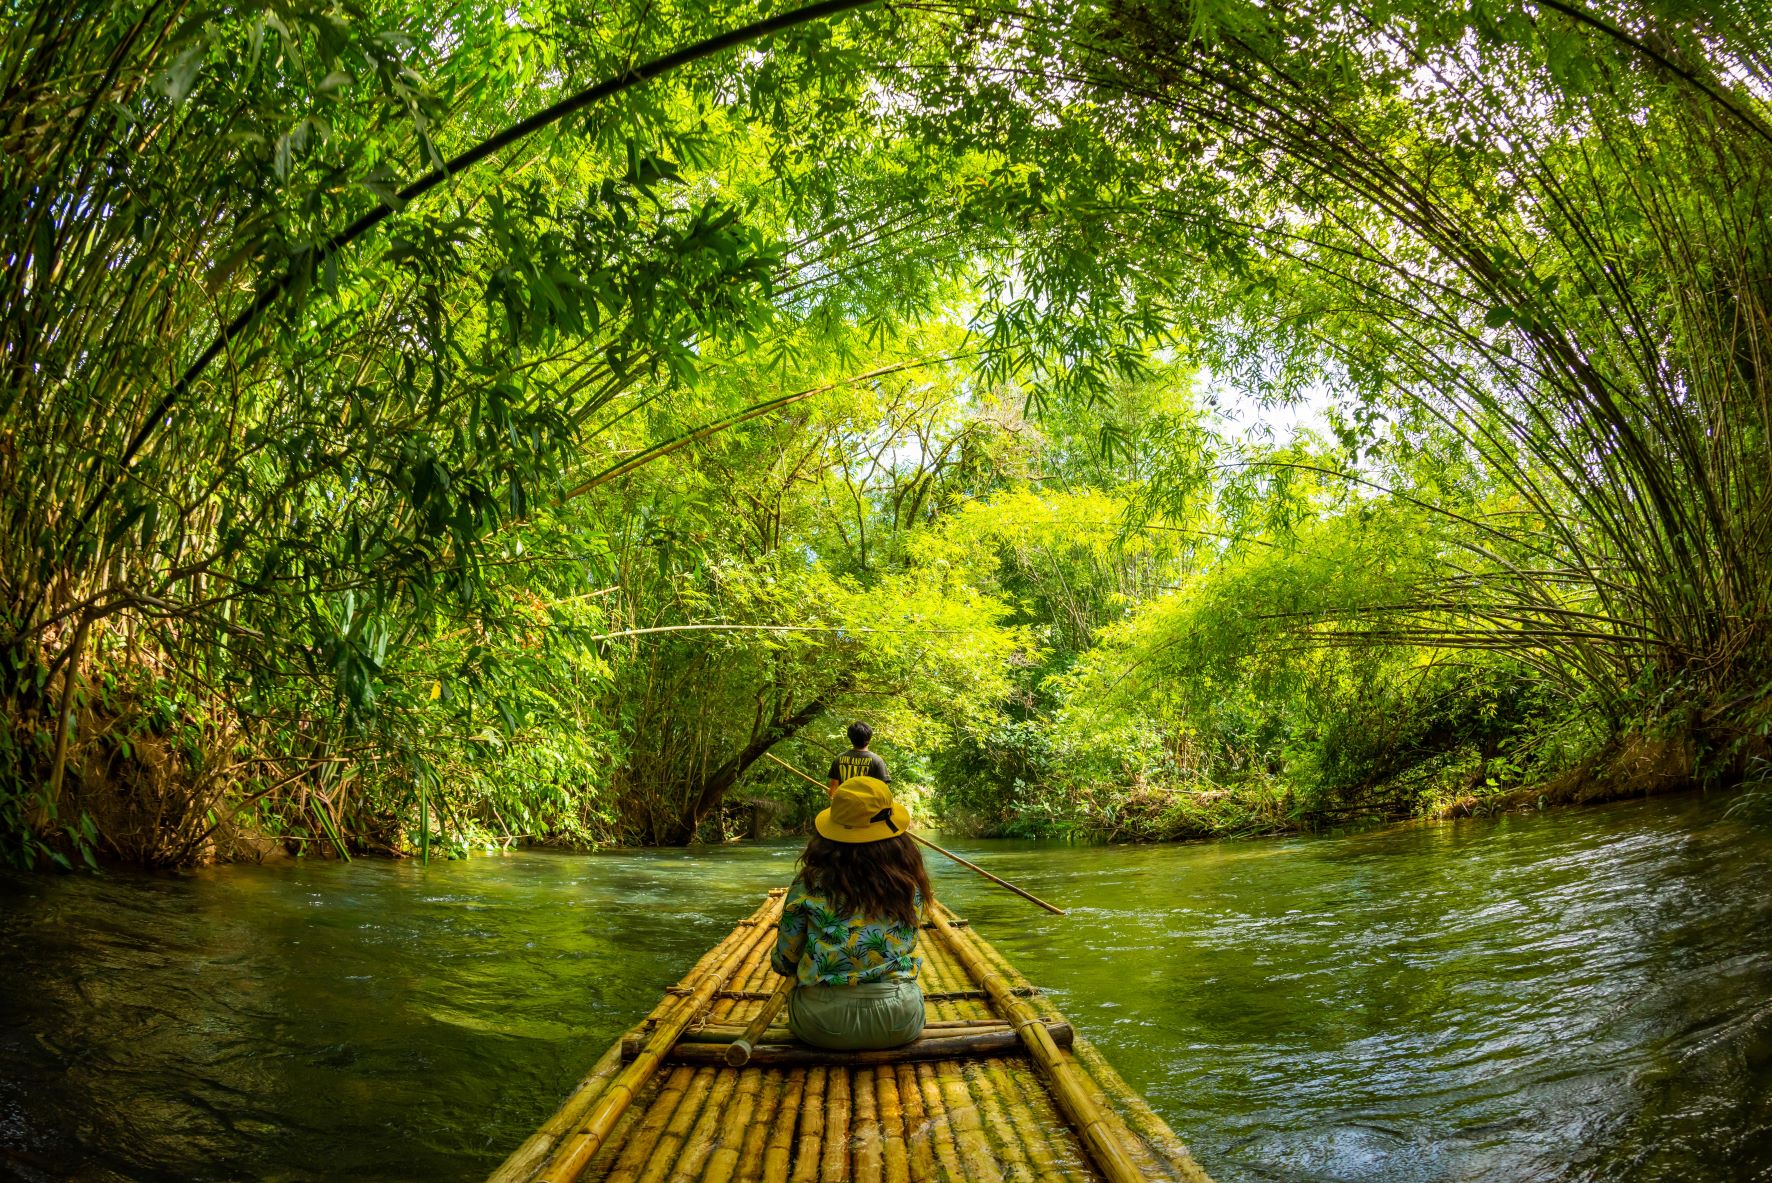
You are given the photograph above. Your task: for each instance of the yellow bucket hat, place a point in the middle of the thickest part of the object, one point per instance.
(862, 810)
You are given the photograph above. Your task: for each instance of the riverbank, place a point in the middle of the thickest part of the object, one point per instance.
(1632, 768)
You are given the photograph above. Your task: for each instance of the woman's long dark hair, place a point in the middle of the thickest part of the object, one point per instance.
(873, 878)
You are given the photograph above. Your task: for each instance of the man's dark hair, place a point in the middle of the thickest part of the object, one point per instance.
(859, 734)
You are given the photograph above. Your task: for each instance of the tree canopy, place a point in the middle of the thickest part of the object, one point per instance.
(426, 425)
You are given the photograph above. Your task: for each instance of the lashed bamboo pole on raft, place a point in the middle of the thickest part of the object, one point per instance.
(572, 1154)
(979, 1043)
(1068, 1088)
(523, 1162)
(1125, 1105)
(1004, 883)
(740, 1050)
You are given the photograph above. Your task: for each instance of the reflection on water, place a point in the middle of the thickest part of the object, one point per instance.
(1578, 996)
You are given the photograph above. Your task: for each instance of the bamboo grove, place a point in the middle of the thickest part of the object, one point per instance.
(430, 425)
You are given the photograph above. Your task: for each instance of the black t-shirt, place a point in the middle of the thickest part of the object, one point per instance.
(859, 762)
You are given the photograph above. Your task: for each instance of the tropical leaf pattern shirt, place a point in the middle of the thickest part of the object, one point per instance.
(819, 946)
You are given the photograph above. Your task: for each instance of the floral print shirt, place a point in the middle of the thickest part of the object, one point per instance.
(819, 946)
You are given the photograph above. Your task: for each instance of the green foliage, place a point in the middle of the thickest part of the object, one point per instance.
(867, 366)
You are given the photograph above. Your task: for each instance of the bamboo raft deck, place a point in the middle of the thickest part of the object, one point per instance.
(998, 1089)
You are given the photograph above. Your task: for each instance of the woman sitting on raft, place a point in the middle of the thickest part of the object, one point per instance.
(849, 926)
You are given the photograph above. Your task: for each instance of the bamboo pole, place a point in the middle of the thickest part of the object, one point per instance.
(1128, 1104)
(727, 1032)
(969, 1140)
(1034, 1117)
(1001, 1039)
(1010, 1148)
(524, 1160)
(1110, 1155)
(722, 1164)
(778, 1151)
(918, 1152)
(570, 1157)
(1003, 883)
(811, 1139)
(941, 1129)
(759, 1129)
(638, 1147)
(870, 1161)
(833, 1162)
(698, 1143)
(950, 996)
(676, 1131)
(892, 1133)
(740, 1049)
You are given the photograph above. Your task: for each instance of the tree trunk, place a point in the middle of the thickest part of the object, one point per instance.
(707, 796)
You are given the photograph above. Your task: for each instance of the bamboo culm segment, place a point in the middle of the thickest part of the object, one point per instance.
(727, 1032)
(1099, 1138)
(740, 1049)
(571, 1156)
(1129, 1106)
(526, 1158)
(998, 1040)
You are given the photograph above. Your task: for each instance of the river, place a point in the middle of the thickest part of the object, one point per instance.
(1581, 995)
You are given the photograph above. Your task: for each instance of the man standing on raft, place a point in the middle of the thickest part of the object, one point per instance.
(850, 923)
(858, 761)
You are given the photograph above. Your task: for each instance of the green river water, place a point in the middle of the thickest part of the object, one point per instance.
(1579, 995)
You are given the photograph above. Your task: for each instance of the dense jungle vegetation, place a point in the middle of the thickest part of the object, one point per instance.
(427, 425)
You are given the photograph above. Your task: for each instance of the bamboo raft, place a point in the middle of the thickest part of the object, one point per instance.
(998, 1088)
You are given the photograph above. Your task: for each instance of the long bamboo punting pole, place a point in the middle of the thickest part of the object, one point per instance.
(1068, 1089)
(1004, 883)
(572, 1154)
(740, 1049)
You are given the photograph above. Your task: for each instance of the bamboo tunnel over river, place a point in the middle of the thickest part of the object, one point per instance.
(1550, 998)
